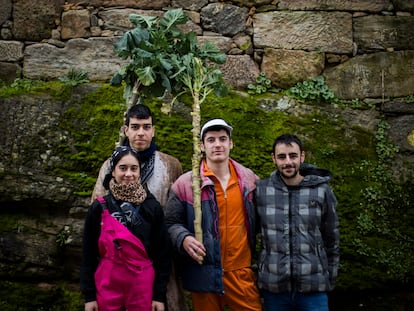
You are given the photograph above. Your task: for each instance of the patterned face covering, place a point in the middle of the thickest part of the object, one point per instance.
(133, 192)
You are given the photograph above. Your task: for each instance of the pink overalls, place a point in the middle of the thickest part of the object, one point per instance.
(125, 276)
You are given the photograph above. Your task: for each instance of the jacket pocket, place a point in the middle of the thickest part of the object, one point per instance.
(323, 258)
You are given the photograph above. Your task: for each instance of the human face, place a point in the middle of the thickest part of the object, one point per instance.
(127, 170)
(140, 133)
(217, 146)
(287, 159)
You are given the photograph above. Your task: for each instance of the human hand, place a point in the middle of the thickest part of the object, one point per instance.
(157, 306)
(194, 248)
(91, 306)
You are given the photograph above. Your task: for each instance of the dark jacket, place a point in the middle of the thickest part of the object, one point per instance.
(300, 234)
(151, 231)
(179, 217)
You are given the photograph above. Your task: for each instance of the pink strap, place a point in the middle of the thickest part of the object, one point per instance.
(101, 200)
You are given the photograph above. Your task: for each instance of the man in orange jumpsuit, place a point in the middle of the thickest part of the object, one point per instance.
(217, 271)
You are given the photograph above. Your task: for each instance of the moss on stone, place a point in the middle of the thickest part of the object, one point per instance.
(91, 124)
(19, 87)
(11, 223)
(20, 296)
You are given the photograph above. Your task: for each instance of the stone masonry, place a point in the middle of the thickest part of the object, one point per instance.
(364, 49)
(289, 40)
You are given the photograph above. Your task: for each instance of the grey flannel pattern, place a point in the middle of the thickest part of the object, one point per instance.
(300, 235)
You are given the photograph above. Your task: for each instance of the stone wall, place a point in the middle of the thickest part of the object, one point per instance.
(363, 48)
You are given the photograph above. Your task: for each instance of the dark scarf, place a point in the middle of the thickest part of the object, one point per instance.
(147, 160)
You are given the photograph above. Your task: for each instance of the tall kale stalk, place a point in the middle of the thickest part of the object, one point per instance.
(164, 59)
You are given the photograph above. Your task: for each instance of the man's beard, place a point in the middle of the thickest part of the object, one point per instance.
(295, 173)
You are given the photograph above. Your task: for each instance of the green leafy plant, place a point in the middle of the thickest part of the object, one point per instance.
(312, 90)
(165, 59)
(410, 98)
(355, 103)
(75, 77)
(263, 85)
(64, 236)
(384, 199)
(25, 84)
(159, 51)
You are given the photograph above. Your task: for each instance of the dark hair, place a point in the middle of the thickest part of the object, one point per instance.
(139, 111)
(116, 156)
(287, 139)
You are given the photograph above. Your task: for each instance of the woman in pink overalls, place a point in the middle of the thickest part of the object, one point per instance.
(126, 248)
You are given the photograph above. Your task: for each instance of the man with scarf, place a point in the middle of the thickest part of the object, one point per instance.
(158, 172)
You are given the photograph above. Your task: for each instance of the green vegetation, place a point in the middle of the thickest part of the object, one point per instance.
(39, 297)
(161, 56)
(75, 77)
(263, 85)
(356, 104)
(382, 235)
(64, 236)
(92, 126)
(312, 90)
(23, 86)
(410, 98)
(375, 205)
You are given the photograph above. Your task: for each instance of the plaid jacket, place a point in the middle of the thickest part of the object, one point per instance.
(300, 235)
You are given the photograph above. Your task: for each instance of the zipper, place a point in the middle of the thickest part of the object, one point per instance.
(292, 279)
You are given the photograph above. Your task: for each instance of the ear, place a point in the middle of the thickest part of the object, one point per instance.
(231, 144)
(273, 158)
(125, 129)
(302, 157)
(202, 147)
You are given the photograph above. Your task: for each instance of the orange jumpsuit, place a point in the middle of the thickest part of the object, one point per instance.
(241, 293)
